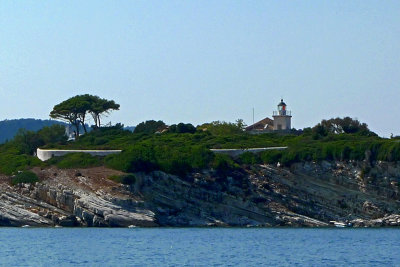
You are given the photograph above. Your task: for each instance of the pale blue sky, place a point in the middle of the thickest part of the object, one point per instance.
(199, 61)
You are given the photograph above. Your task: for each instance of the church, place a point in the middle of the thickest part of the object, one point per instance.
(281, 121)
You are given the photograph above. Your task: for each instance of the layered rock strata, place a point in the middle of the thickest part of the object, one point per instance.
(359, 194)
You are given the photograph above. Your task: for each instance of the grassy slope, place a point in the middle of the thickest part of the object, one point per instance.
(181, 153)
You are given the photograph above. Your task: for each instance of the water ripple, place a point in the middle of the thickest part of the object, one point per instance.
(199, 247)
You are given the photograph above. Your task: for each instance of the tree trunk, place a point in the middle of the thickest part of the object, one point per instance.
(94, 115)
(76, 124)
(98, 119)
(84, 126)
(82, 119)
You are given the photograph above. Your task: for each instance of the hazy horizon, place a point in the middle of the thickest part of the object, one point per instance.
(198, 62)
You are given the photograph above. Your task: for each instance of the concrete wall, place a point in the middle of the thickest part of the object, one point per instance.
(236, 152)
(284, 121)
(45, 154)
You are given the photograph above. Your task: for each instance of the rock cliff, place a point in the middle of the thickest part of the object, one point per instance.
(306, 194)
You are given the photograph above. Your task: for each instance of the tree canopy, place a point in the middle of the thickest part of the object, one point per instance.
(345, 125)
(75, 109)
(150, 127)
(222, 127)
(182, 128)
(28, 141)
(100, 106)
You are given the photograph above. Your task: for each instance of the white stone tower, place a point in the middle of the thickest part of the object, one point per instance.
(282, 118)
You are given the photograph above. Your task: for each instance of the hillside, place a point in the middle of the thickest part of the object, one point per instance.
(8, 128)
(173, 179)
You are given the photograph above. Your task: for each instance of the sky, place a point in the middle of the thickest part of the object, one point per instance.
(201, 61)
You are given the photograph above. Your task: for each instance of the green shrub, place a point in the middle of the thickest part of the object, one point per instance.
(150, 127)
(289, 157)
(249, 158)
(11, 161)
(137, 158)
(182, 128)
(76, 160)
(178, 167)
(271, 156)
(200, 157)
(169, 156)
(390, 151)
(223, 163)
(127, 179)
(221, 128)
(24, 177)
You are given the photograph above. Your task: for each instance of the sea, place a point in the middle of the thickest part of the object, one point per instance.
(199, 247)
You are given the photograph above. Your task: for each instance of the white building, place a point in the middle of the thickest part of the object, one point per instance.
(282, 118)
(281, 121)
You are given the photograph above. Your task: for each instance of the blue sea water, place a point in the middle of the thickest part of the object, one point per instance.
(199, 247)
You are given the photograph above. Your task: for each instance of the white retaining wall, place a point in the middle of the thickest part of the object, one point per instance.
(45, 154)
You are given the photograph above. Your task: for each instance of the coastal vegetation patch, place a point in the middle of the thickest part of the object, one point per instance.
(76, 160)
(26, 177)
(183, 148)
(127, 179)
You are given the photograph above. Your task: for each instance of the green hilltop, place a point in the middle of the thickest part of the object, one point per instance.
(182, 148)
(183, 152)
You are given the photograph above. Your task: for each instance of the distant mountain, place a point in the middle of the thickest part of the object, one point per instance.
(8, 128)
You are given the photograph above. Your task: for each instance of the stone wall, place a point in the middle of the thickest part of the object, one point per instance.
(45, 154)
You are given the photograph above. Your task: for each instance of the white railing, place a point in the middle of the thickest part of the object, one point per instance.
(282, 113)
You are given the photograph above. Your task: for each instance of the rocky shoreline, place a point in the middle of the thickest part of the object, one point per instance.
(357, 194)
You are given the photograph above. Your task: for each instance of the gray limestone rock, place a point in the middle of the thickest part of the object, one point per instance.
(306, 194)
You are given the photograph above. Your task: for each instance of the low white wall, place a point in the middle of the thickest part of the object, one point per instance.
(45, 154)
(237, 152)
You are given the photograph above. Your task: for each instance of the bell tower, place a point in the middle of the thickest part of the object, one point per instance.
(282, 118)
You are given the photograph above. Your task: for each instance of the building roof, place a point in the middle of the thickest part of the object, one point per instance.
(264, 124)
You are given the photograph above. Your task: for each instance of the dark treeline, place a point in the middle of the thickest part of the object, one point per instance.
(9, 128)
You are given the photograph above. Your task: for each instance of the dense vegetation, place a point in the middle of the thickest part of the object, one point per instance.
(127, 179)
(16, 155)
(9, 128)
(26, 177)
(150, 127)
(75, 160)
(183, 148)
